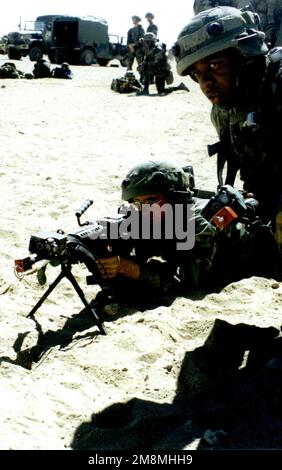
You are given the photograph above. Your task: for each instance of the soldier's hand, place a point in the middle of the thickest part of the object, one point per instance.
(131, 48)
(110, 267)
(129, 269)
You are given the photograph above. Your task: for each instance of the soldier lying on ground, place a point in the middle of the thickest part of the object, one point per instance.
(43, 69)
(126, 84)
(192, 249)
(9, 70)
(62, 72)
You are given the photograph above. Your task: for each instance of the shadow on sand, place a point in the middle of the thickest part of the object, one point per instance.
(229, 396)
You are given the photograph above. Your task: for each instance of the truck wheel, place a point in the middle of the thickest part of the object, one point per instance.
(87, 57)
(35, 54)
(103, 62)
(14, 54)
(51, 57)
(59, 57)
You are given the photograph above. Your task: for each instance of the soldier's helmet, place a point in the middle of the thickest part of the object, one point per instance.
(149, 15)
(9, 64)
(136, 18)
(65, 66)
(216, 30)
(150, 37)
(155, 177)
(129, 74)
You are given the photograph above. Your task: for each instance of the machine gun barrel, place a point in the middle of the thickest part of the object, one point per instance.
(79, 246)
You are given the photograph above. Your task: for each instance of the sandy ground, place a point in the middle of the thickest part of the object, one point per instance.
(65, 141)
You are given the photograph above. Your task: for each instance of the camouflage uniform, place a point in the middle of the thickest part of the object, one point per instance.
(255, 148)
(152, 27)
(62, 72)
(155, 65)
(218, 255)
(9, 70)
(134, 36)
(163, 266)
(126, 84)
(201, 5)
(270, 16)
(42, 69)
(166, 268)
(249, 129)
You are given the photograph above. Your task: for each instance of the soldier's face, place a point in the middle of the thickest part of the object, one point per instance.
(153, 206)
(216, 77)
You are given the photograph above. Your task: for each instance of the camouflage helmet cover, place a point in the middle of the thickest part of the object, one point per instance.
(9, 64)
(215, 30)
(129, 74)
(136, 18)
(154, 177)
(149, 15)
(150, 37)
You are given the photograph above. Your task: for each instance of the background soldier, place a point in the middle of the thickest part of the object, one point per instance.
(152, 27)
(62, 72)
(134, 42)
(155, 68)
(42, 69)
(126, 84)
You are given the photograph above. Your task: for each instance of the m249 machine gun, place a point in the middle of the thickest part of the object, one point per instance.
(87, 244)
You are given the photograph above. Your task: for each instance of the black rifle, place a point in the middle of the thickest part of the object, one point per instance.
(87, 245)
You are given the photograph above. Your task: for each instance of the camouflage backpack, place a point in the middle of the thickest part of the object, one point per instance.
(42, 69)
(8, 70)
(121, 85)
(62, 72)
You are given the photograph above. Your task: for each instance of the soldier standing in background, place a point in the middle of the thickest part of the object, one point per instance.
(134, 42)
(152, 27)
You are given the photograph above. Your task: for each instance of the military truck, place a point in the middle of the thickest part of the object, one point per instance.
(3, 44)
(84, 41)
(23, 43)
(31, 41)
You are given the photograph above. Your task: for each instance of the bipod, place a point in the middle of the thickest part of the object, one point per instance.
(66, 272)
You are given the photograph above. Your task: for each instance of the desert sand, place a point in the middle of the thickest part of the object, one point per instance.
(63, 141)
